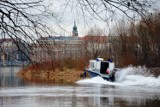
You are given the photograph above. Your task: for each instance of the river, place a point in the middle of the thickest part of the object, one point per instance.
(127, 91)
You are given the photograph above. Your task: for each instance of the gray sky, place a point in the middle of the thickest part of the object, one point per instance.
(67, 13)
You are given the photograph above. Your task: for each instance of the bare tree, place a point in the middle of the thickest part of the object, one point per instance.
(25, 20)
(149, 42)
(95, 42)
(105, 10)
(140, 44)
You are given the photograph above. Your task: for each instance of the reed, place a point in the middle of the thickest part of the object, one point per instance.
(60, 71)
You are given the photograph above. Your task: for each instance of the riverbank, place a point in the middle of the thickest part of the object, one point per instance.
(66, 71)
(54, 76)
(36, 73)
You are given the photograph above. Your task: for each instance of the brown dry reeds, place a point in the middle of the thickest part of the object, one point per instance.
(59, 71)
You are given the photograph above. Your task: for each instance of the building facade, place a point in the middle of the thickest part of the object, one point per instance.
(95, 45)
(52, 48)
(58, 47)
(13, 52)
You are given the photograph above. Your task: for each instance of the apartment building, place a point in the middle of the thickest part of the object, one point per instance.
(51, 48)
(13, 52)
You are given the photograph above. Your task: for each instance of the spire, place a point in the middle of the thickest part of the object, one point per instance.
(74, 22)
(75, 31)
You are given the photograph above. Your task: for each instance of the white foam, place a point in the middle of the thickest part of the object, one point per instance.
(129, 76)
(94, 80)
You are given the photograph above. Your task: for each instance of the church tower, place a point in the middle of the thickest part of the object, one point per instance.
(75, 31)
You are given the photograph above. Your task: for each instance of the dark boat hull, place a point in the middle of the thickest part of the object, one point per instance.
(95, 74)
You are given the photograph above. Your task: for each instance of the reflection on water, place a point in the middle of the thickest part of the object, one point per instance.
(8, 77)
(14, 93)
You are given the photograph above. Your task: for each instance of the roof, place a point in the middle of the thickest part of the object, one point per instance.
(13, 40)
(59, 38)
(100, 39)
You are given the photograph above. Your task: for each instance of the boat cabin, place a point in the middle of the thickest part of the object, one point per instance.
(100, 65)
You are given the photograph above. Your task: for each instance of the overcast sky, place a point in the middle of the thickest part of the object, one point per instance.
(67, 13)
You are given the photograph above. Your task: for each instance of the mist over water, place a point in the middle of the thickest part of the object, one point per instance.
(129, 76)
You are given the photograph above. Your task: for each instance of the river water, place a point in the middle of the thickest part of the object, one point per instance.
(134, 87)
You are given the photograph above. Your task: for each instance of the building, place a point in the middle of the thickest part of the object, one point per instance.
(47, 48)
(74, 48)
(51, 48)
(58, 47)
(95, 44)
(13, 52)
(75, 31)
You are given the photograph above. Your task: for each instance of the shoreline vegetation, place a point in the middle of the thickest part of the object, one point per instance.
(67, 72)
(59, 76)
(67, 76)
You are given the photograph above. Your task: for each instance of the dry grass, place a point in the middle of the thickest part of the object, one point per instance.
(57, 76)
(68, 71)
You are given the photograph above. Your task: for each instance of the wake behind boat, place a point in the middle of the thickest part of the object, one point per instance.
(99, 67)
